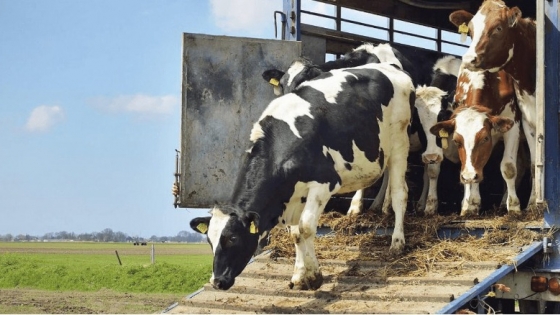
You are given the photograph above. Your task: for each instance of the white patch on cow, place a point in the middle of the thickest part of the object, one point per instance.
(477, 25)
(475, 81)
(468, 123)
(286, 108)
(448, 65)
(256, 133)
(368, 47)
(527, 103)
(293, 71)
(362, 173)
(294, 206)
(216, 226)
(330, 86)
(385, 54)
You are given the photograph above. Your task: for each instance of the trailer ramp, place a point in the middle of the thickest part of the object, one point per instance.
(350, 286)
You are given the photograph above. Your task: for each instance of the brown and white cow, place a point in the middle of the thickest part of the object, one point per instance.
(502, 39)
(487, 112)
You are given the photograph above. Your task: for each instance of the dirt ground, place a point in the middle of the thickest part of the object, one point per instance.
(31, 301)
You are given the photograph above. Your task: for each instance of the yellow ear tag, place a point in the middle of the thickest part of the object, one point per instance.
(253, 228)
(443, 134)
(464, 30)
(202, 227)
(274, 82)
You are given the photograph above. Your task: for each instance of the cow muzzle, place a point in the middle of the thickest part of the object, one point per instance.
(222, 283)
(431, 158)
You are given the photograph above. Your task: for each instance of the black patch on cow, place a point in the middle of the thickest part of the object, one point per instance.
(444, 81)
(303, 199)
(350, 60)
(348, 166)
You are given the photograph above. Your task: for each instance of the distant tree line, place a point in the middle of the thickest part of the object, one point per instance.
(107, 235)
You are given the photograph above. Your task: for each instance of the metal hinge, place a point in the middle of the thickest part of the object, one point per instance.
(176, 190)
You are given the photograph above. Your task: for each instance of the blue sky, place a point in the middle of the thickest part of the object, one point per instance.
(90, 107)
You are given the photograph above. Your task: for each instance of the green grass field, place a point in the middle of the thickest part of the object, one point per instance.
(84, 266)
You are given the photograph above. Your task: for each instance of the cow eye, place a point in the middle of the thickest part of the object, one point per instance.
(485, 139)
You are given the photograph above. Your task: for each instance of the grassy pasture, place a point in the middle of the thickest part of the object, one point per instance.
(86, 266)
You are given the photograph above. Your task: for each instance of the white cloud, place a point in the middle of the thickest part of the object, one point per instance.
(138, 104)
(245, 15)
(44, 117)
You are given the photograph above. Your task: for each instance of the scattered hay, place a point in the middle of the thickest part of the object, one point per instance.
(368, 237)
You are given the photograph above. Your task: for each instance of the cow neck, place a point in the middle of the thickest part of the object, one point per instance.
(256, 190)
(522, 66)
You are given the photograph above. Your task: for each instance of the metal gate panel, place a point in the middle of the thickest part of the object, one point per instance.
(223, 96)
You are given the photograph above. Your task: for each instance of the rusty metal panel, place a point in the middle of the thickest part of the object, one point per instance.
(223, 96)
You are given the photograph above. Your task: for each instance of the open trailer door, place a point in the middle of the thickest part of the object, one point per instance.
(223, 95)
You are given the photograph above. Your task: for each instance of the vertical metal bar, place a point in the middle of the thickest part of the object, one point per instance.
(338, 17)
(539, 148)
(391, 30)
(551, 64)
(438, 41)
(153, 254)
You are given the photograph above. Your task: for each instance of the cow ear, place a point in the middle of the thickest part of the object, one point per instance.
(200, 225)
(443, 129)
(514, 14)
(501, 124)
(251, 220)
(459, 17)
(273, 76)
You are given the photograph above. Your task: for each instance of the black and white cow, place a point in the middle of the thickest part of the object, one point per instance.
(433, 104)
(302, 70)
(336, 133)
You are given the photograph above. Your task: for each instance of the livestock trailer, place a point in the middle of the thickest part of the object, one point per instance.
(224, 94)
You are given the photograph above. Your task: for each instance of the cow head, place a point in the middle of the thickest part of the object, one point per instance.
(299, 71)
(471, 130)
(233, 236)
(492, 30)
(428, 105)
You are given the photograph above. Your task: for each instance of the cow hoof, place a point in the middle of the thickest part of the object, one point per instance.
(514, 213)
(469, 212)
(308, 284)
(397, 246)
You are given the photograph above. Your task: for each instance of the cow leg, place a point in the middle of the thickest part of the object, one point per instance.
(307, 275)
(508, 167)
(356, 203)
(421, 205)
(379, 200)
(471, 200)
(432, 203)
(530, 133)
(398, 190)
(386, 208)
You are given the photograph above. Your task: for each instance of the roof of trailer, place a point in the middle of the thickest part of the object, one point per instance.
(432, 13)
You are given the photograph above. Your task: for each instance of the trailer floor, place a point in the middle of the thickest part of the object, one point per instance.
(361, 276)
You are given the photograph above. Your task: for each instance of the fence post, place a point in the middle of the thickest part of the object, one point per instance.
(120, 263)
(153, 255)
